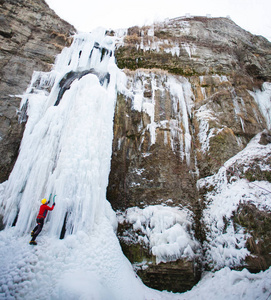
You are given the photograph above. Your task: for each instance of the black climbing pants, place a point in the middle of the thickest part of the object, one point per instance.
(38, 228)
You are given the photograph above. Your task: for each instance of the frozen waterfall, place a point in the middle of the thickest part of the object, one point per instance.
(66, 147)
(66, 151)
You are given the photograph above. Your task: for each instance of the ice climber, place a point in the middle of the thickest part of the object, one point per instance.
(40, 220)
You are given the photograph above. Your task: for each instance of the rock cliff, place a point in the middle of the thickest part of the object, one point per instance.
(213, 61)
(31, 35)
(188, 106)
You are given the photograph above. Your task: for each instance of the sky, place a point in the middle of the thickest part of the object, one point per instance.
(85, 15)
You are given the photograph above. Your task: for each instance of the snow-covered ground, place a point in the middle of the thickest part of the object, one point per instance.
(66, 150)
(80, 266)
(165, 231)
(92, 267)
(225, 245)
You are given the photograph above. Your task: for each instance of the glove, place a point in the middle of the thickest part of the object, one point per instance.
(54, 204)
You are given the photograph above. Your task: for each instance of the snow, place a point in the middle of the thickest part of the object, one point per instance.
(81, 266)
(227, 284)
(87, 267)
(166, 231)
(66, 151)
(225, 245)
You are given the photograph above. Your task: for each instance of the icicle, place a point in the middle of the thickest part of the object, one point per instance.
(263, 99)
(182, 102)
(237, 108)
(182, 97)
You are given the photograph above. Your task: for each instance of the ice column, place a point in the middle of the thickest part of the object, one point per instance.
(182, 102)
(66, 148)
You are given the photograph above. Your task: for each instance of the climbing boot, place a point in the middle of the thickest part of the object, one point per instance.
(33, 243)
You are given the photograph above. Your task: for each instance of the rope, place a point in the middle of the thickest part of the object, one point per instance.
(268, 296)
(259, 186)
(236, 174)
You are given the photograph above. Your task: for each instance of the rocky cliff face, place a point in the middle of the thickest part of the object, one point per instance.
(196, 46)
(31, 35)
(213, 61)
(188, 106)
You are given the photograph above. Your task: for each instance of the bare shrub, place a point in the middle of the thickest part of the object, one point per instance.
(132, 39)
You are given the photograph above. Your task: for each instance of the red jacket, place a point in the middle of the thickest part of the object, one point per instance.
(44, 210)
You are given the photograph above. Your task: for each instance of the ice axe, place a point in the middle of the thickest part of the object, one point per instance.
(53, 199)
(50, 198)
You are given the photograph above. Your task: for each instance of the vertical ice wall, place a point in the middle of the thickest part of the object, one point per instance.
(66, 148)
(263, 99)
